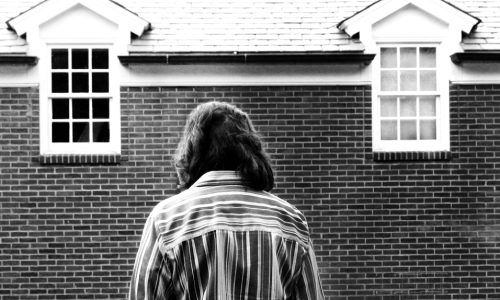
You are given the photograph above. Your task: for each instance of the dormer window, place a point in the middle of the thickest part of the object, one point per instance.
(413, 41)
(78, 42)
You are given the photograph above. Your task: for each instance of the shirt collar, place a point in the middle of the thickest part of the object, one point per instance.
(215, 178)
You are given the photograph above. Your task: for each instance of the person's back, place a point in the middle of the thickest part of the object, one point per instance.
(225, 236)
(220, 240)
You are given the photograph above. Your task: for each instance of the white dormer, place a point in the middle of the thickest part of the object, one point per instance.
(78, 43)
(413, 41)
(79, 20)
(409, 19)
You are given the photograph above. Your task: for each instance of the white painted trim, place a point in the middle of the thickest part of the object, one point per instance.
(477, 82)
(442, 142)
(16, 76)
(382, 9)
(114, 145)
(475, 73)
(404, 39)
(244, 83)
(52, 8)
(18, 85)
(77, 41)
(246, 75)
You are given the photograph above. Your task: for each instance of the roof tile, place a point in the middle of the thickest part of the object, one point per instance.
(256, 25)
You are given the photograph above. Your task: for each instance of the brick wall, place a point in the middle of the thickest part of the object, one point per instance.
(382, 229)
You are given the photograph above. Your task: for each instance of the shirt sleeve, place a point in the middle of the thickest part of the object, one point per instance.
(309, 283)
(151, 276)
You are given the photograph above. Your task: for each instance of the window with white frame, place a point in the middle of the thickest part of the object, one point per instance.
(410, 99)
(80, 101)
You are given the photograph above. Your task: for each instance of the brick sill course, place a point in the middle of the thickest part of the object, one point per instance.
(412, 156)
(80, 159)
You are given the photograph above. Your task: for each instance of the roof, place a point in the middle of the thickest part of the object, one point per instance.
(254, 25)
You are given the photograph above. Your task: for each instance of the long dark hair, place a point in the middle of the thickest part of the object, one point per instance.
(219, 136)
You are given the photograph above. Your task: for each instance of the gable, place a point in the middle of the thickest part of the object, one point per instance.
(50, 10)
(96, 26)
(410, 22)
(382, 9)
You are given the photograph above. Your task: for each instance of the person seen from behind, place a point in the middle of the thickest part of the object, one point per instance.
(224, 236)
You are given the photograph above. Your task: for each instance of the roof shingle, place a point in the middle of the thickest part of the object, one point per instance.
(254, 26)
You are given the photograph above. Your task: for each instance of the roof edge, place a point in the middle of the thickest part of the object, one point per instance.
(248, 58)
(341, 24)
(18, 60)
(478, 20)
(476, 56)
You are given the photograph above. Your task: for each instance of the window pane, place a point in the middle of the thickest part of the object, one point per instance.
(389, 130)
(427, 57)
(60, 83)
(100, 82)
(408, 57)
(388, 106)
(60, 109)
(80, 108)
(101, 132)
(100, 59)
(81, 132)
(389, 81)
(428, 106)
(428, 129)
(408, 106)
(100, 108)
(59, 58)
(80, 82)
(427, 80)
(80, 58)
(408, 129)
(60, 132)
(388, 57)
(408, 80)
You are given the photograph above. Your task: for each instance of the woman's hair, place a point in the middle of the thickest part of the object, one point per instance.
(219, 136)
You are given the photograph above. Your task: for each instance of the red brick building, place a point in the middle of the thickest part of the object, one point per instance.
(382, 119)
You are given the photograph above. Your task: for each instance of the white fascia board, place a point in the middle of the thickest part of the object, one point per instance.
(475, 73)
(52, 8)
(371, 15)
(244, 75)
(118, 15)
(382, 9)
(38, 15)
(448, 13)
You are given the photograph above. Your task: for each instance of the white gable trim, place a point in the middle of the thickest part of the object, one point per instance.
(381, 9)
(47, 10)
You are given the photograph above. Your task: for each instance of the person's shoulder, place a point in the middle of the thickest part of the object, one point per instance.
(167, 204)
(293, 220)
(280, 202)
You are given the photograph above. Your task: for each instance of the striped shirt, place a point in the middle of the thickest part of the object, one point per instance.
(222, 240)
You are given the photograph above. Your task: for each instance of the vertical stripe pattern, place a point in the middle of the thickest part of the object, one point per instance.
(220, 240)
